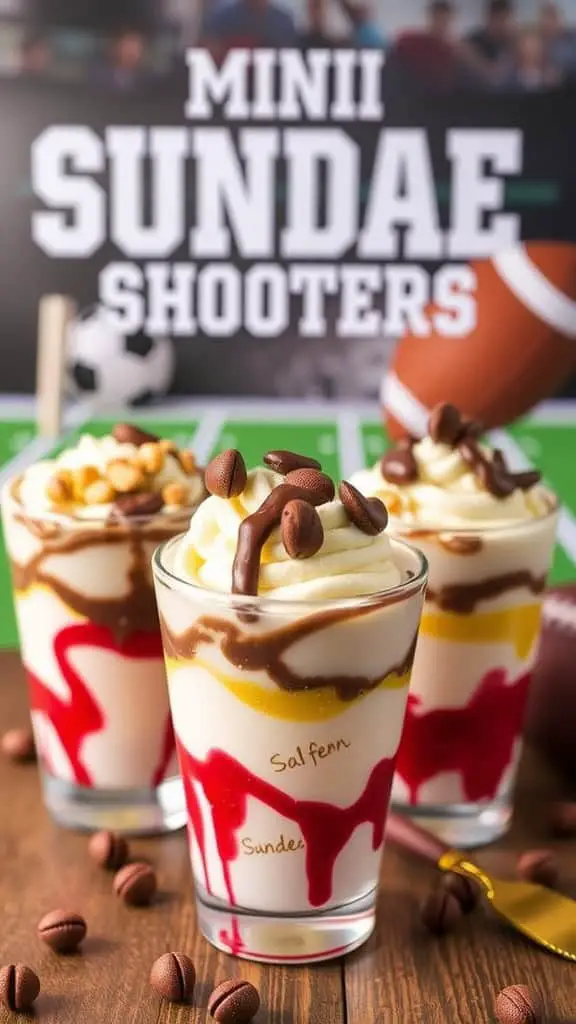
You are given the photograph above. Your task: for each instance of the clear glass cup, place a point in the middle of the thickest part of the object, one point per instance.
(462, 739)
(90, 644)
(288, 717)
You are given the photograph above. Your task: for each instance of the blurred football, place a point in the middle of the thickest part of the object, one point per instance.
(551, 722)
(113, 368)
(522, 347)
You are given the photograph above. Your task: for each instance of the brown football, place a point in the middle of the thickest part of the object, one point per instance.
(522, 347)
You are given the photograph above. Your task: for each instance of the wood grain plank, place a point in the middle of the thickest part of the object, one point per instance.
(404, 974)
(42, 867)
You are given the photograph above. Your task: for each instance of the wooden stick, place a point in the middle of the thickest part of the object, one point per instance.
(55, 315)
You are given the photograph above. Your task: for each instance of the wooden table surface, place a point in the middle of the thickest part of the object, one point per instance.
(402, 976)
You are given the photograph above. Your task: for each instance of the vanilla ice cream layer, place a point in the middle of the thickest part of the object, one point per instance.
(129, 692)
(312, 743)
(488, 558)
(90, 641)
(286, 754)
(294, 712)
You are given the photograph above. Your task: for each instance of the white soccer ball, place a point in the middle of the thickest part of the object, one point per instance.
(114, 369)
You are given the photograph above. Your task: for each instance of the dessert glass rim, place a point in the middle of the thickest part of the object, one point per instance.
(189, 587)
(427, 526)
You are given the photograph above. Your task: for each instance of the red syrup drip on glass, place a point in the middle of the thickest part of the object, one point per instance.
(325, 828)
(78, 716)
(476, 740)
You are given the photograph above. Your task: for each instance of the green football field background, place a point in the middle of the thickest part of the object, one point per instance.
(341, 437)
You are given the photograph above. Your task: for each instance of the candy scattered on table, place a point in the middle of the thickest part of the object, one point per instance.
(234, 1002)
(540, 866)
(19, 987)
(441, 911)
(563, 820)
(136, 884)
(109, 850)
(518, 1004)
(18, 745)
(173, 977)
(464, 889)
(62, 930)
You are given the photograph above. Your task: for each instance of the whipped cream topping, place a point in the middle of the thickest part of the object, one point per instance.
(350, 563)
(448, 493)
(97, 455)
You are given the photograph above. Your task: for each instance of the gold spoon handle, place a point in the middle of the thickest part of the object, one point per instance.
(411, 837)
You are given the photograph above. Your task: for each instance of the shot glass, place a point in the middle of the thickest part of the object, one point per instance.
(288, 717)
(91, 647)
(462, 740)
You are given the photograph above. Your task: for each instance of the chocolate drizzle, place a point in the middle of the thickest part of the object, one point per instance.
(130, 611)
(266, 651)
(463, 598)
(256, 529)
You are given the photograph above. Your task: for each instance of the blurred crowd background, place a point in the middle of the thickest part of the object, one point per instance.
(446, 45)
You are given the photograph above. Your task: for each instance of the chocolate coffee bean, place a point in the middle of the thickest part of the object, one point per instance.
(368, 514)
(526, 480)
(540, 866)
(284, 462)
(471, 428)
(226, 475)
(234, 1002)
(464, 889)
(109, 850)
(301, 529)
(518, 1004)
(173, 977)
(18, 745)
(130, 506)
(19, 987)
(129, 433)
(470, 451)
(563, 820)
(445, 424)
(494, 478)
(399, 466)
(136, 884)
(320, 486)
(440, 912)
(62, 930)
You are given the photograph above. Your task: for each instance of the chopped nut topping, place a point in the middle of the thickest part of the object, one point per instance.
(59, 489)
(174, 494)
(154, 473)
(124, 476)
(151, 458)
(81, 479)
(168, 447)
(100, 492)
(187, 460)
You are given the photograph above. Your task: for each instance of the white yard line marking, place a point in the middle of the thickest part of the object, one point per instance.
(23, 407)
(518, 461)
(558, 411)
(210, 427)
(32, 452)
(18, 407)
(350, 447)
